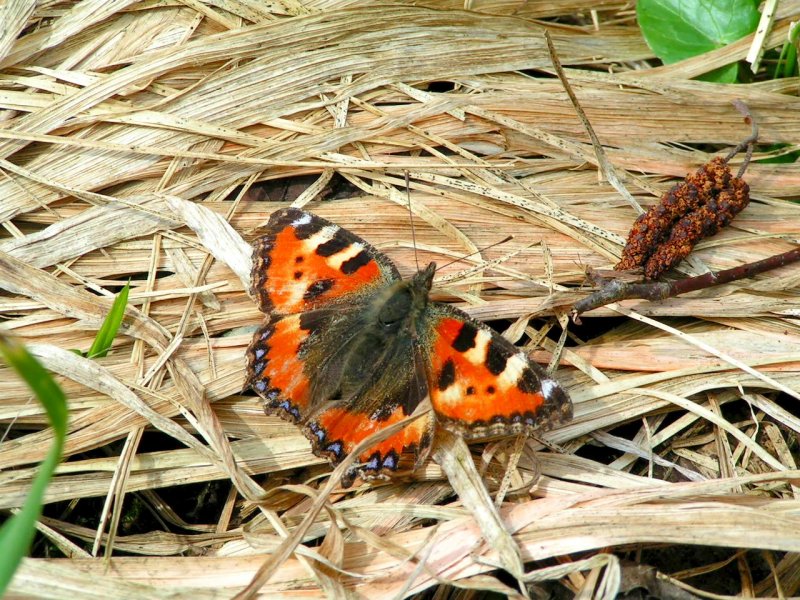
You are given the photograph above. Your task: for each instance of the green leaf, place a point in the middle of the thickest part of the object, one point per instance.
(17, 533)
(788, 157)
(679, 29)
(726, 74)
(787, 64)
(108, 330)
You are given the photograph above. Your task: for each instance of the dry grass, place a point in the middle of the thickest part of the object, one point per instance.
(132, 138)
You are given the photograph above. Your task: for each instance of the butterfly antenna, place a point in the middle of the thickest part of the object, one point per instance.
(411, 220)
(503, 241)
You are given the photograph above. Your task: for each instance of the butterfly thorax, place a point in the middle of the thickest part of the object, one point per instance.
(383, 342)
(400, 306)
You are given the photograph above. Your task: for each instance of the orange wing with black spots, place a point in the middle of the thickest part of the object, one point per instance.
(297, 364)
(276, 371)
(335, 432)
(304, 262)
(481, 384)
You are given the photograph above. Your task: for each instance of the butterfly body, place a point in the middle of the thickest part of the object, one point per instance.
(351, 348)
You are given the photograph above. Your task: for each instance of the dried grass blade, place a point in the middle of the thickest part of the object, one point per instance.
(14, 15)
(217, 236)
(453, 455)
(726, 357)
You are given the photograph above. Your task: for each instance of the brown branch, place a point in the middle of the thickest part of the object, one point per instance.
(617, 289)
(698, 207)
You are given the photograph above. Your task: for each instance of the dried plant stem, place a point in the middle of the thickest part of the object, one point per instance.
(616, 289)
(602, 160)
(747, 143)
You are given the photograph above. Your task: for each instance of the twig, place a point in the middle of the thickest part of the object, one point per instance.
(616, 289)
(652, 246)
(748, 141)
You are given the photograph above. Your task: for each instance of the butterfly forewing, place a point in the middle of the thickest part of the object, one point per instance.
(304, 262)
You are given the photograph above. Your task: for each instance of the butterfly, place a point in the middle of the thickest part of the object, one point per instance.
(350, 348)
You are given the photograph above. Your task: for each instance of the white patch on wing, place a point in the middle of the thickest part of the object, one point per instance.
(335, 261)
(323, 235)
(303, 220)
(548, 387)
(452, 396)
(513, 371)
(288, 325)
(292, 292)
(477, 354)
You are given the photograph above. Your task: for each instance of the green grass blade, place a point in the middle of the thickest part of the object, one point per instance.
(17, 533)
(108, 330)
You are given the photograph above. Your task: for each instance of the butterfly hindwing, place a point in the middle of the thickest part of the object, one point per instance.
(367, 379)
(327, 371)
(335, 432)
(483, 385)
(295, 361)
(304, 262)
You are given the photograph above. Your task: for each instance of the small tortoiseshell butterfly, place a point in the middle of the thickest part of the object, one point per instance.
(351, 348)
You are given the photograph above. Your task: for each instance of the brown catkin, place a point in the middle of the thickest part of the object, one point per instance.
(696, 208)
